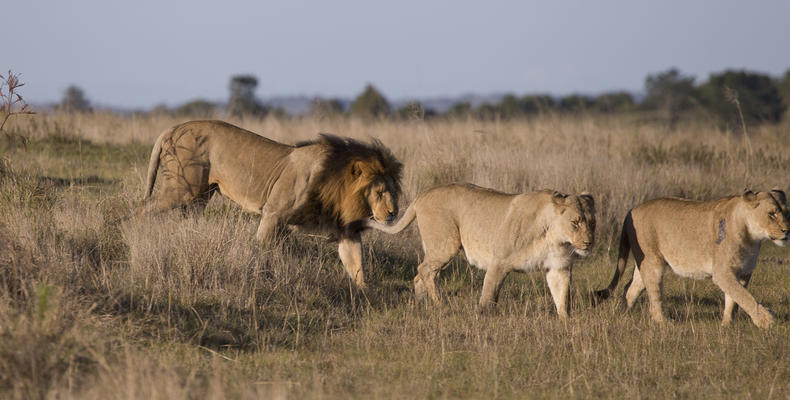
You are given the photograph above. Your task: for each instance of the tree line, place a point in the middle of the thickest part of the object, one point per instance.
(732, 97)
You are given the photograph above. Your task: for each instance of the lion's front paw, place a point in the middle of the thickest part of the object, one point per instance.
(763, 317)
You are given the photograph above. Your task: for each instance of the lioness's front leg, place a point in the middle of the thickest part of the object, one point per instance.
(559, 281)
(729, 303)
(350, 250)
(491, 284)
(729, 284)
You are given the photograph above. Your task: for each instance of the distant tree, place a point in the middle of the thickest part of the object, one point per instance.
(74, 100)
(670, 93)
(614, 102)
(460, 110)
(784, 91)
(242, 97)
(370, 104)
(539, 103)
(414, 111)
(576, 103)
(513, 107)
(197, 108)
(509, 107)
(326, 108)
(279, 113)
(487, 112)
(757, 95)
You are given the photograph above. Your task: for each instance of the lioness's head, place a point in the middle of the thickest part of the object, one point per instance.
(768, 216)
(575, 220)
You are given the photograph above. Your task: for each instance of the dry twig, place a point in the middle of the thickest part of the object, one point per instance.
(12, 103)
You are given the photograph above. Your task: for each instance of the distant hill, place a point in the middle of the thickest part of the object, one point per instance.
(300, 105)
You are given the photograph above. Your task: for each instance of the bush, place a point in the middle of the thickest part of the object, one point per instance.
(670, 93)
(757, 94)
(370, 104)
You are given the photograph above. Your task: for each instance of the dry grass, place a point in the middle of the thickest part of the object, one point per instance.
(190, 306)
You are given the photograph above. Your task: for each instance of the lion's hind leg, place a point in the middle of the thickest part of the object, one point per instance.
(166, 199)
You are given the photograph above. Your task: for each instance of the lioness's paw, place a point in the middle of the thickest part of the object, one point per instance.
(420, 292)
(764, 318)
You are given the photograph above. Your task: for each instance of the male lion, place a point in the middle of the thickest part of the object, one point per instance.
(325, 184)
(717, 239)
(499, 233)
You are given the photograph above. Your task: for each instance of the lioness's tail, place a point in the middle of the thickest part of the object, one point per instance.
(405, 220)
(153, 163)
(622, 259)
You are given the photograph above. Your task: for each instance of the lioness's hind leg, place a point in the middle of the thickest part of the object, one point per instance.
(425, 281)
(633, 289)
(652, 271)
(729, 304)
(440, 241)
(559, 281)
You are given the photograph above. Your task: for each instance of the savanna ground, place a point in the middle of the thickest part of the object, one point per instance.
(191, 306)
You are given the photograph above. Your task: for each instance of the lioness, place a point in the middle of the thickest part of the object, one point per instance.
(717, 239)
(327, 184)
(500, 233)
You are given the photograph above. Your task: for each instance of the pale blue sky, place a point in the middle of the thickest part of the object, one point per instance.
(141, 53)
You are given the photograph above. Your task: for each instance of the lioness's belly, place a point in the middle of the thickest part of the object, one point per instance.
(701, 271)
(550, 257)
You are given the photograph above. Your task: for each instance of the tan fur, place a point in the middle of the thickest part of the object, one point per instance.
(326, 184)
(500, 233)
(717, 239)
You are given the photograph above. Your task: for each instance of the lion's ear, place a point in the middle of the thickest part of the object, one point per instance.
(749, 195)
(357, 169)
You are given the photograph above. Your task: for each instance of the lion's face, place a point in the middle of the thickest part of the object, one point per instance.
(768, 216)
(576, 221)
(382, 200)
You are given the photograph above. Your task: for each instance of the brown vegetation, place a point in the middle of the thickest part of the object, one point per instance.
(194, 307)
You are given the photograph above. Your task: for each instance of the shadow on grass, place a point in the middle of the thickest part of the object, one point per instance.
(92, 180)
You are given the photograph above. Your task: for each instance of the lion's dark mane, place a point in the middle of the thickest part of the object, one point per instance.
(326, 195)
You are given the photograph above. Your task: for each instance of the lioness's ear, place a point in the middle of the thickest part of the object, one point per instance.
(749, 195)
(558, 198)
(780, 195)
(587, 200)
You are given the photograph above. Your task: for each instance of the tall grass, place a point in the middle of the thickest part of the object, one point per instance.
(182, 306)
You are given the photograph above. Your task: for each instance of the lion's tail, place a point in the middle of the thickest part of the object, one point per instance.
(153, 163)
(622, 259)
(405, 220)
